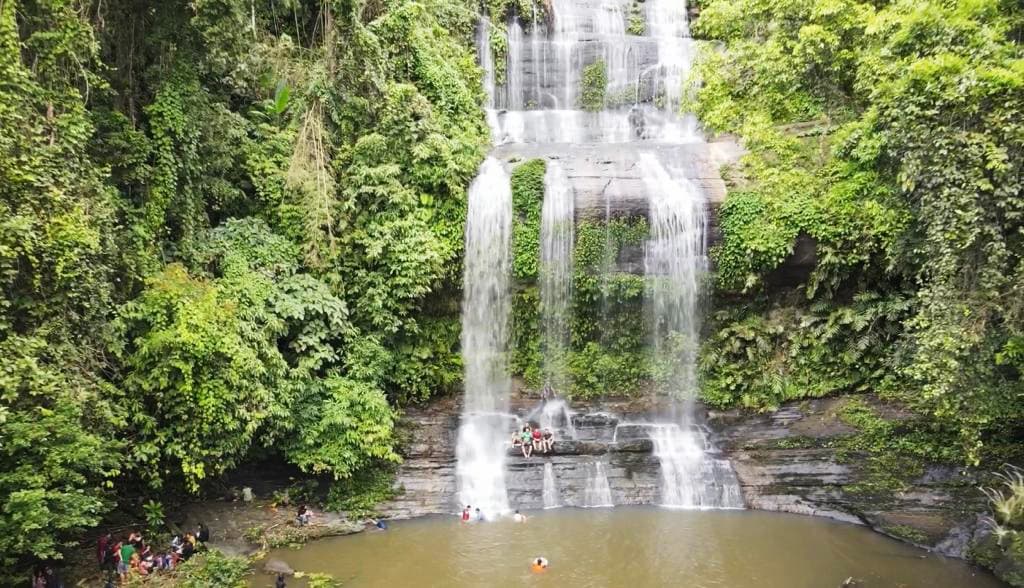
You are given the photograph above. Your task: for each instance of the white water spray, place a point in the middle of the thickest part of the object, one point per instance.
(598, 493)
(538, 105)
(556, 258)
(480, 450)
(551, 496)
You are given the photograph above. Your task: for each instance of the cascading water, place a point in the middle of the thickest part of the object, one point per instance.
(598, 493)
(556, 415)
(551, 497)
(691, 477)
(556, 242)
(483, 50)
(675, 263)
(537, 112)
(480, 449)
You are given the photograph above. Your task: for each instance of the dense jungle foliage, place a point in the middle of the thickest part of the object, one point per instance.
(891, 135)
(226, 228)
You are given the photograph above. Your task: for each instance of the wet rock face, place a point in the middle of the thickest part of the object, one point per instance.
(787, 461)
(607, 180)
(427, 475)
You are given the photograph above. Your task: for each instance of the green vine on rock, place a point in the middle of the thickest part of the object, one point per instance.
(637, 24)
(527, 202)
(593, 86)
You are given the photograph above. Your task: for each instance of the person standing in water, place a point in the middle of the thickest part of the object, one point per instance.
(479, 515)
(465, 514)
(539, 565)
(519, 517)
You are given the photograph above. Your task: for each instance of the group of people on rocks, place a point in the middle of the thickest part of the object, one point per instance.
(133, 555)
(530, 439)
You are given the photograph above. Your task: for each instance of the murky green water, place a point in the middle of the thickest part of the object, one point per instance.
(629, 547)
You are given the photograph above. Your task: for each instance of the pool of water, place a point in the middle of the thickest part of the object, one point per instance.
(629, 547)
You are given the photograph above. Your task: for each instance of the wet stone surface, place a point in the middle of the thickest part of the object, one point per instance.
(785, 461)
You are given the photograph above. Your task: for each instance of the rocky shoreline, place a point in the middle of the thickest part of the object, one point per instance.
(789, 460)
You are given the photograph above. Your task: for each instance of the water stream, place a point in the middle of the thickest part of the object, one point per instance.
(538, 109)
(556, 244)
(480, 449)
(598, 493)
(551, 497)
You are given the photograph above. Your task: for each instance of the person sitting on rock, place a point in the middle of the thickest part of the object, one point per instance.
(517, 440)
(526, 438)
(538, 440)
(549, 440)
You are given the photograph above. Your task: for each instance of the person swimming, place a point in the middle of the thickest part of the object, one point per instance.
(539, 565)
(519, 517)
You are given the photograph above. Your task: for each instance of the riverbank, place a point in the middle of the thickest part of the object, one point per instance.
(793, 460)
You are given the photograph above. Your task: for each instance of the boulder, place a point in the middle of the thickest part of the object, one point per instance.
(275, 566)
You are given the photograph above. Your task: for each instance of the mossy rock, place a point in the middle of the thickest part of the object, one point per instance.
(1011, 569)
(986, 551)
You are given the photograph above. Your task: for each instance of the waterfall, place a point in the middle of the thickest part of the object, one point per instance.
(556, 415)
(551, 497)
(486, 303)
(668, 25)
(536, 113)
(675, 262)
(598, 493)
(556, 242)
(483, 50)
(515, 100)
(690, 476)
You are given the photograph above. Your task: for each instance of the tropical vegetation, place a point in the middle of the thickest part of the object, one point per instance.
(227, 228)
(889, 136)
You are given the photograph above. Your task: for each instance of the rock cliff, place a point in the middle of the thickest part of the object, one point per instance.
(789, 461)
